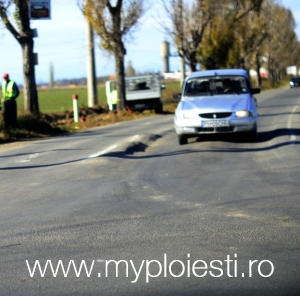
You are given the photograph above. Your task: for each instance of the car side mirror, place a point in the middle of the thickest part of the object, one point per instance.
(255, 91)
(163, 86)
(177, 96)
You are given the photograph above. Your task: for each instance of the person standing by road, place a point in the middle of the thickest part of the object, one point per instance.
(227, 85)
(114, 100)
(10, 92)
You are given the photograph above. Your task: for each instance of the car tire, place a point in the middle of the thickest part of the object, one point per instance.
(253, 134)
(182, 139)
(159, 109)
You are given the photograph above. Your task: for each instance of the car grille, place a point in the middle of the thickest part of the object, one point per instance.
(215, 115)
(215, 129)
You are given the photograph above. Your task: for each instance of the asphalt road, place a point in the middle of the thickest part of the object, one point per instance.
(130, 192)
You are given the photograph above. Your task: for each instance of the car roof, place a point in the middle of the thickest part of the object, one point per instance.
(218, 72)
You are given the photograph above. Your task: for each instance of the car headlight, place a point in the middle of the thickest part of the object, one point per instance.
(178, 115)
(183, 115)
(291, 83)
(243, 113)
(187, 115)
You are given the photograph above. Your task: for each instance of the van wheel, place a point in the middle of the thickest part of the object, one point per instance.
(182, 139)
(159, 109)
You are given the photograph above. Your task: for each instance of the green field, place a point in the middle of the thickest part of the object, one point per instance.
(60, 99)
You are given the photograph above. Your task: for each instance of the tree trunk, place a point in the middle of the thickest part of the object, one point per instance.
(259, 80)
(192, 61)
(120, 79)
(30, 92)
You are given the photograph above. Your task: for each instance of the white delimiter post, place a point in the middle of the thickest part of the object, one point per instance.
(75, 108)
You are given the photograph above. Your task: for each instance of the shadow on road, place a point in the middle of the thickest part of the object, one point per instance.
(242, 138)
(128, 152)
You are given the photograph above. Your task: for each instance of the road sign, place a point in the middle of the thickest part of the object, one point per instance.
(39, 10)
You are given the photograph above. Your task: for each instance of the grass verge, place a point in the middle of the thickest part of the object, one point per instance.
(57, 115)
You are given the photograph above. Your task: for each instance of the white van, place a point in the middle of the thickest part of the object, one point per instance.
(143, 92)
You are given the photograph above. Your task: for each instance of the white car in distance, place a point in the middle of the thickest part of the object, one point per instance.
(216, 101)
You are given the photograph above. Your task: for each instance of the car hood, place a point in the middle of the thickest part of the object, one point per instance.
(216, 103)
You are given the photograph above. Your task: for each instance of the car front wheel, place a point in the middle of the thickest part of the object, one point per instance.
(253, 134)
(182, 139)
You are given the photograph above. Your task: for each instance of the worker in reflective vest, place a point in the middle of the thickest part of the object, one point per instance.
(114, 99)
(10, 92)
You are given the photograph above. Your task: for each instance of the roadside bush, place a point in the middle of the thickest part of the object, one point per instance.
(29, 126)
(1, 122)
(35, 124)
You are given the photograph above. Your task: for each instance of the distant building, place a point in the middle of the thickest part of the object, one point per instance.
(291, 70)
(174, 75)
(262, 71)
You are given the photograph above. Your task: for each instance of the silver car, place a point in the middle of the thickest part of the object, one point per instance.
(216, 101)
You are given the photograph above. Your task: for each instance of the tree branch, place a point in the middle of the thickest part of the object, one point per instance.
(6, 21)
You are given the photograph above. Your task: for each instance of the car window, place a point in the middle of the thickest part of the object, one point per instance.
(221, 85)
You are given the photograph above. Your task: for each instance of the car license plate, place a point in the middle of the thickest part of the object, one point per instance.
(215, 123)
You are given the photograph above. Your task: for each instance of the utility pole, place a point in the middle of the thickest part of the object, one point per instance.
(51, 78)
(91, 69)
(165, 54)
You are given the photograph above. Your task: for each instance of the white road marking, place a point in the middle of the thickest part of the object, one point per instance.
(103, 151)
(110, 148)
(134, 137)
(35, 155)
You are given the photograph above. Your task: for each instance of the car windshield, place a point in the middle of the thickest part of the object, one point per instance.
(220, 85)
(296, 79)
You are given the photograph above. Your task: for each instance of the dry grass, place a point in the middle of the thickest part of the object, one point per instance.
(57, 114)
(30, 126)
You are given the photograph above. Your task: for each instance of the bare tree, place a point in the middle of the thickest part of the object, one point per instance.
(189, 22)
(186, 24)
(130, 71)
(251, 32)
(24, 36)
(282, 40)
(113, 23)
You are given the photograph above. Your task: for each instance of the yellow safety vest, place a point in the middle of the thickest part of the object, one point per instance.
(114, 97)
(7, 89)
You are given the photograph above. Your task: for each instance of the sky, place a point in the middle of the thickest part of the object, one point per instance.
(62, 42)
